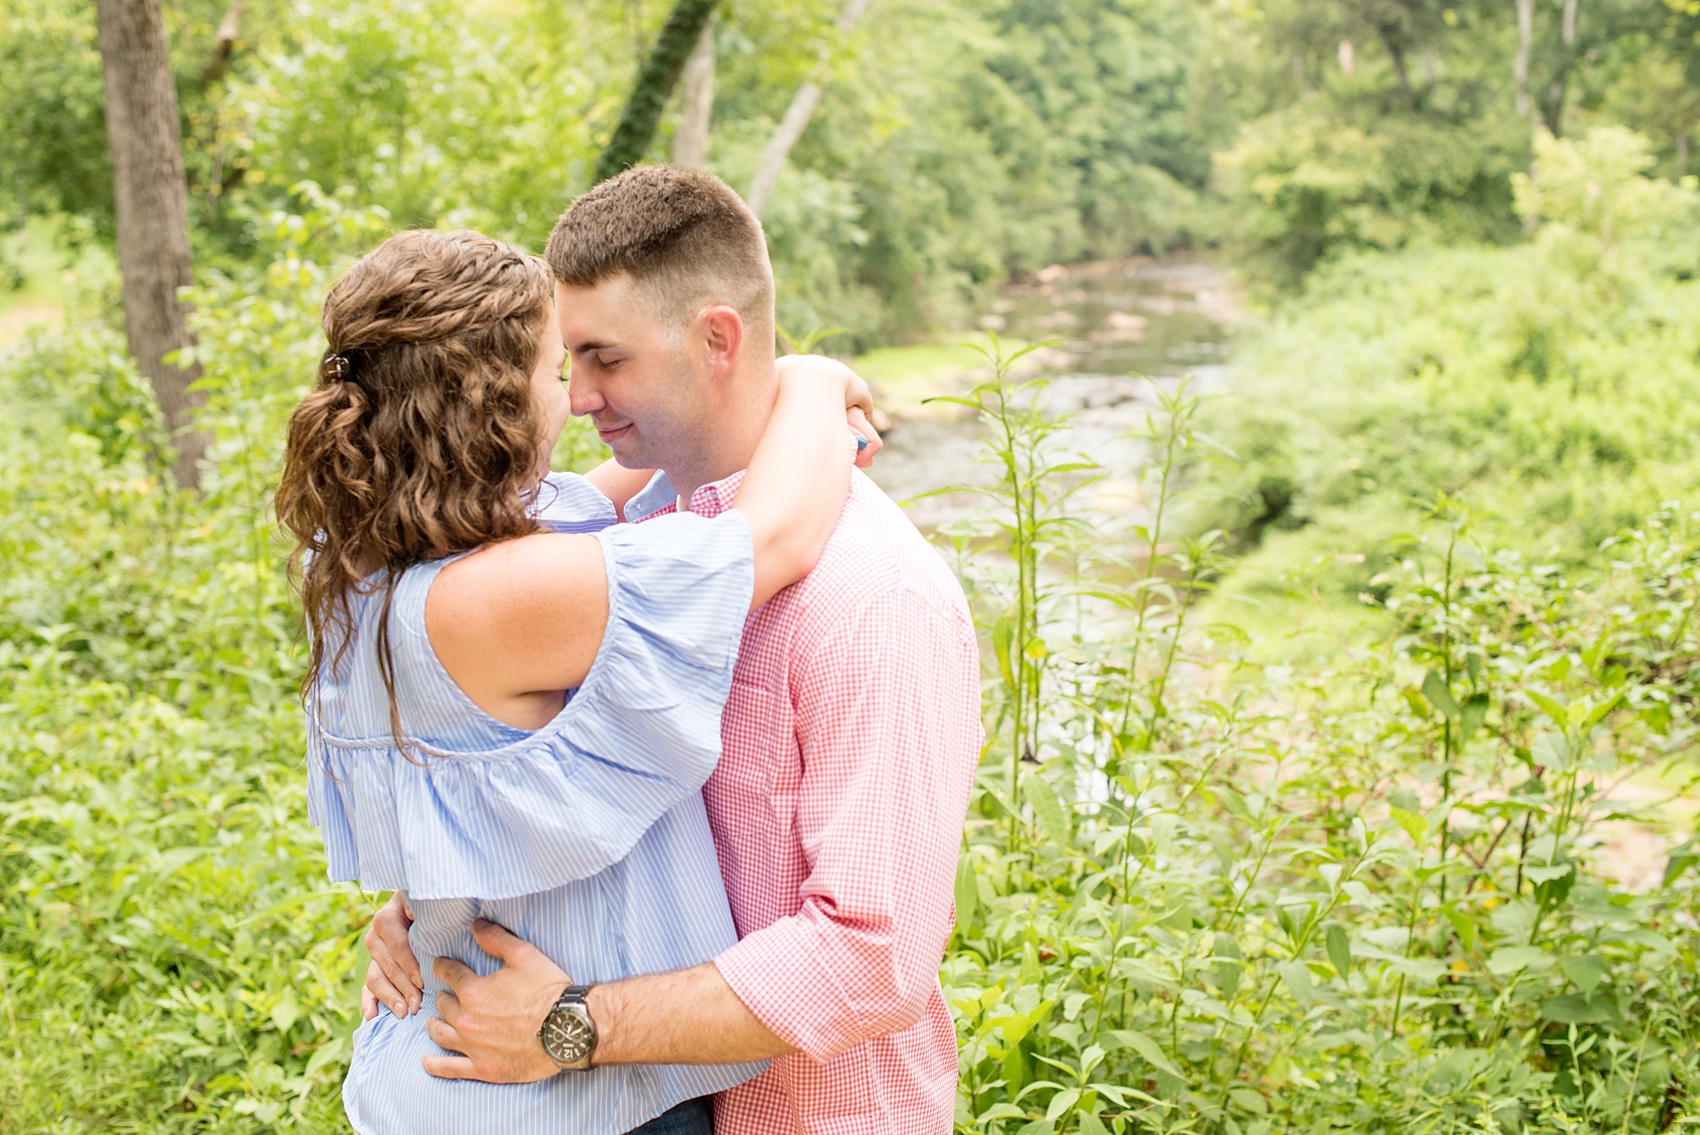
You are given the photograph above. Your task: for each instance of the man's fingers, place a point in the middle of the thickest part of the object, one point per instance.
(452, 973)
(449, 1067)
(379, 988)
(448, 1007)
(368, 1003)
(444, 1034)
(499, 943)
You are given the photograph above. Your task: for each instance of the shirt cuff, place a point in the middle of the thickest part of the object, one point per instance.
(778, 974)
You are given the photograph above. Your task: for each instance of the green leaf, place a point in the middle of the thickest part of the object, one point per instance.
(1061, 1102)
(1297, 976)
(1439, 695)
(1052, 820)
(1508, 960)
(1339, 946)
(967, 892)
(1090, 1124)
(1552, 707)
(1586, 970)
(1146, 1047)
(1249, 1100)
(286, 1012)
(1464, 925)
(1003, 631)
(1003, 1109)
(1681, 860)
(1474, 713)
(1573, 1010)
(1415, 826)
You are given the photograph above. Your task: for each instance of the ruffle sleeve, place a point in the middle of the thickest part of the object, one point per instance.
(568, 503)
(640, 735)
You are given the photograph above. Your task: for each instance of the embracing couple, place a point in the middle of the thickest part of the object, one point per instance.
(666, 765)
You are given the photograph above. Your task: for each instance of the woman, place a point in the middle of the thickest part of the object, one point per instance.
(505, 722)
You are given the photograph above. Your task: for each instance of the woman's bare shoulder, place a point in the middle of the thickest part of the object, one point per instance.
(524, 578)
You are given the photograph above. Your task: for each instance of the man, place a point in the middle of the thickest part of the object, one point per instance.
(849, 742)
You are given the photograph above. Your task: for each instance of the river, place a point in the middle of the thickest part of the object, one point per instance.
(1118, 323)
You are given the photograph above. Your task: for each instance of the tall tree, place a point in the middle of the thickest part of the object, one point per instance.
(151, 200)
(796, 119)
(1525, 46)
(690, 141)
(655, 82)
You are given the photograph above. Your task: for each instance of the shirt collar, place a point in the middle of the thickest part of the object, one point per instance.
(658, 497)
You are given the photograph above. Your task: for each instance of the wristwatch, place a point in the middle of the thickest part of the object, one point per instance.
(568, 1034)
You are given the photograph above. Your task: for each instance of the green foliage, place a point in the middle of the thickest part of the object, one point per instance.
(171, 958)
(1552, 383)
(1366, 897)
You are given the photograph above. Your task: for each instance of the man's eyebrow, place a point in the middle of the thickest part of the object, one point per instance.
(590, 345)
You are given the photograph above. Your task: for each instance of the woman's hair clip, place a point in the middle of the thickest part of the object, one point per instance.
(335, 367)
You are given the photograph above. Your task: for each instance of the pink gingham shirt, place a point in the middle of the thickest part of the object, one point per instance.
(849, 745)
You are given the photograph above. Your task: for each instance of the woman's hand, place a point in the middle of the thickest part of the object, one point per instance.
(858, 398)
(393, 976)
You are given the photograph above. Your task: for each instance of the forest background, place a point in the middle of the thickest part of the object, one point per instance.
(1339, 771)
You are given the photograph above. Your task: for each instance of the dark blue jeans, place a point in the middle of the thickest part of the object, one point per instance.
(693, 1117)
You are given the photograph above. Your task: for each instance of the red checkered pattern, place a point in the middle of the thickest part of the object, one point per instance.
(850, 743)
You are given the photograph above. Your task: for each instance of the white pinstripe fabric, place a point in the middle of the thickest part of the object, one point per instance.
(586, 838)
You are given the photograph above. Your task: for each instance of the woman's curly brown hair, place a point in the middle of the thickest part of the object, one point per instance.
(421, 437)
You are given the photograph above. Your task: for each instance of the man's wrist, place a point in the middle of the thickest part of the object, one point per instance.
(603, 1002)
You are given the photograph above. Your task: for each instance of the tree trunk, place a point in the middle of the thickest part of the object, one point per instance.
(1525, 44)
(224, 45)
(690, 142)
(1561, 79)
(796, 118)
(152, 205)
(654, 86)
(1396, 54)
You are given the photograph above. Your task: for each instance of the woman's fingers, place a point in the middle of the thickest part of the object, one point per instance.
(860, 424)
(388, 944)
(378, 988)
(857, 394)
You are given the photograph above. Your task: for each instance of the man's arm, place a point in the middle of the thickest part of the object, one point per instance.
(686, 1017)
(888, 723)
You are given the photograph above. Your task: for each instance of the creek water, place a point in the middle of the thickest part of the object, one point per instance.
(1119, 327)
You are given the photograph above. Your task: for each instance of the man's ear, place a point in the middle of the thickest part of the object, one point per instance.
(722, 331)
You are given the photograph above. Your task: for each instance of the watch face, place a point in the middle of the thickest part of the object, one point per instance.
(567, 1034)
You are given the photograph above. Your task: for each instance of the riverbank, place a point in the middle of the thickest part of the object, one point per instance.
(1111, 326)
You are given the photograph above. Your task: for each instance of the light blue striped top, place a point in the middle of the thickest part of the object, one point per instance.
(587, 837)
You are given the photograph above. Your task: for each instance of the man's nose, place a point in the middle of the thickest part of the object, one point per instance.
(583, 396)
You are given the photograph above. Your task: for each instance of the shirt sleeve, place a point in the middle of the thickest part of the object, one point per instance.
(569, 800)
(888, 723)
(567, 502)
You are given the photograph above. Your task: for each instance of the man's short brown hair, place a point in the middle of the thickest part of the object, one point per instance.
(683, 236)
